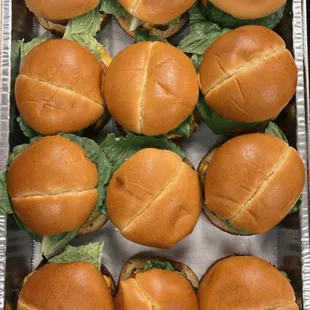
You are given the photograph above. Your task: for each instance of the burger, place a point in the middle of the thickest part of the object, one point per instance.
(154, 196)
(151, 88)
(247, 77)
(158, 18)
(251, 183)
(55, 15)
(73, 280)
(149, 282)
(55, 187)
(230, 14)
(249, 283)
(67, 80)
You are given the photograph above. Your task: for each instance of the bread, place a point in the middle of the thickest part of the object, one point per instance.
(253, 181)
(60, 10)
(52, 185)
(245, 282)
(66, 78)
(60, 26)
(137, 263)
(154, 199)
(232, 69)
(248, 9)
(77, 285)
(151, 88)
(157, 288)
(171, 30)
(156, 12)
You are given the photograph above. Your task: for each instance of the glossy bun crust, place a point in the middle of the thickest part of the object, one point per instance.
(156, 12)
(52, 185)
(248, 9)
(55, 10)
(248, 75)
(151, 88)
(245, 282)
(77, 285)
(253, 181)
(154, 198)
(161, 288)
(58, 88)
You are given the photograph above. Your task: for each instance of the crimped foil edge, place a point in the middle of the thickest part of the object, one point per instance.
(302, 110)
(5, 79)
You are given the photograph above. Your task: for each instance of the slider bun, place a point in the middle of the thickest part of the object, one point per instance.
(248, 75)
(52, 185)
(157, 12)
(248, 9)
(245, 282)
(138, 263)
(151, 88)
(77, 285)
(67, 80)
(253, 181)
(60, 9)
(156, 287)
(154, 198)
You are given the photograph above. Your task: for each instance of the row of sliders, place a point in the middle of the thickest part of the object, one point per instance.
(76, 279)
(62, 186)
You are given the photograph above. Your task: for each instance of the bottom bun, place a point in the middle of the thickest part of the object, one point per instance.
(55, 26)
(223, 225)
(137, 264)
(154, 29)
(94, 223)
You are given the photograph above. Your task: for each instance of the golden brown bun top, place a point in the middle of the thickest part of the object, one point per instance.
(51, 165)
(248, 9)
(245, 282)
(154, 198)
(156, 11)
(151, 88)
(77, 285)
(59, 9)
(253, 181)
(232, 69)
(158, 288)
(65, 64)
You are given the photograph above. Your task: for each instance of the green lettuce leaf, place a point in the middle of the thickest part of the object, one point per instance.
(184, 129)
(26, 129)
(155, 264)
(23, 227)
(202, 33)
(146, 36)
(221, 125)
(274, 130)
(113, 7)
(87, 41)
(91, 253)
(25, 48)
(175, 22)
(118, 149)
(89, 23)
(226, 20)
(196, 60)
(52, 244)
(99, 158)
(5, 201)
(296, 206)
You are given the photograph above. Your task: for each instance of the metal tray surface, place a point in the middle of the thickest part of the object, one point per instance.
(286, 246)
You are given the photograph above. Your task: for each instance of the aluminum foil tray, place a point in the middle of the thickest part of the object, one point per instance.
(286, 246)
